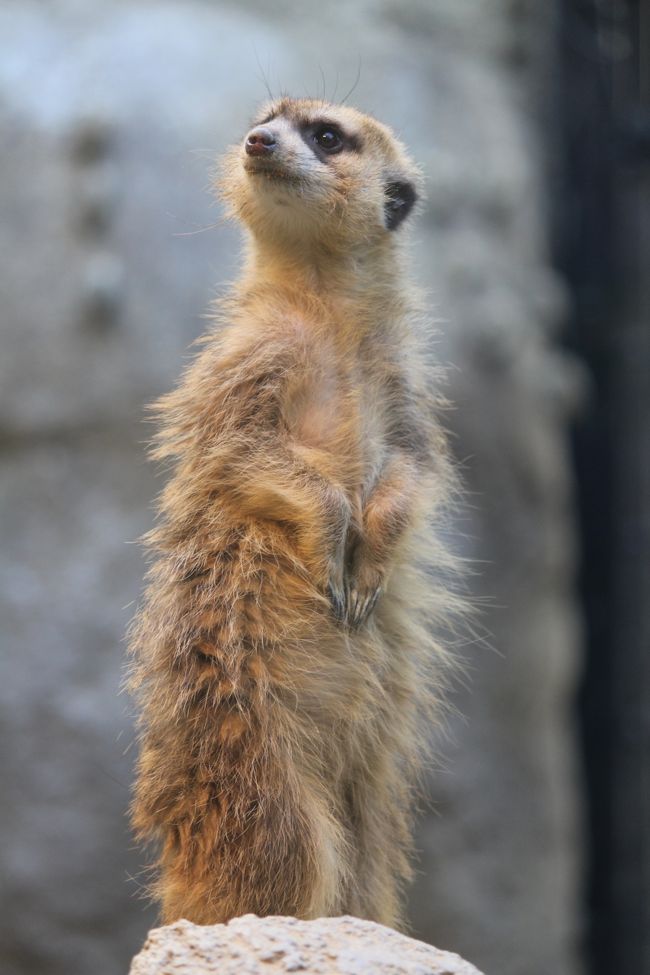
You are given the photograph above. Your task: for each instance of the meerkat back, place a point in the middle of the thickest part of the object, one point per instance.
(283, 658)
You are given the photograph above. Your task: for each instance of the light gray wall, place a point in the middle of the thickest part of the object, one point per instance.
(110, 117)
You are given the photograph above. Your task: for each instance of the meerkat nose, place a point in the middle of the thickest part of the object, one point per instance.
(260, 142)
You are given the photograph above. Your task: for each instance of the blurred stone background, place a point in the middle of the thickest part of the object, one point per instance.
(111, 116)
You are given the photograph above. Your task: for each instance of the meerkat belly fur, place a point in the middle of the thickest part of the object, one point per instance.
(284, 660)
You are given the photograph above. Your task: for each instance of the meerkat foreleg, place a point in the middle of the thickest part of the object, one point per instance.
(296, 488)
(385, 516)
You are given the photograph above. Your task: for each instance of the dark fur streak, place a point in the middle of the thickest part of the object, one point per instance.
(409, 439)
(404, 429)
(203, 658)
(194, 574)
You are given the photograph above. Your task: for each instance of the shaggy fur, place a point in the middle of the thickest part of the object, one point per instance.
(283, 658)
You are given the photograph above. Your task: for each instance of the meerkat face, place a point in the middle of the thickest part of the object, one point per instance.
(312, 171)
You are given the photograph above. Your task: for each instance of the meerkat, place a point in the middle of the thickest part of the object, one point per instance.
(284, 655)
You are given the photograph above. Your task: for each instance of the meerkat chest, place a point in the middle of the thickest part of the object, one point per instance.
(339, 406)
(314, 411)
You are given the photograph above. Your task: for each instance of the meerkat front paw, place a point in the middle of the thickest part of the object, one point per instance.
(359, 605)
(362, 591)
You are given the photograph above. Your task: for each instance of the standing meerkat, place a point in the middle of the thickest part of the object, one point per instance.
(284, 653)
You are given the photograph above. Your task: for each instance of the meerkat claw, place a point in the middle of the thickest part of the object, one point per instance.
(360, 613)
(362, 608)
(352, 603)
(337, 602)
(372, 602)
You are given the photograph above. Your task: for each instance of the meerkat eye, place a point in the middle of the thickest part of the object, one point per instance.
(328, 138)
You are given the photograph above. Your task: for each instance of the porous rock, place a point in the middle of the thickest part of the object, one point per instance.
(252, 945)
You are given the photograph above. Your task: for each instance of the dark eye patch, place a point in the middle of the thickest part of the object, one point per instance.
(310, 130)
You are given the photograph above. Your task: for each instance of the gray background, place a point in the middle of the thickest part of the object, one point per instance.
(111, 116)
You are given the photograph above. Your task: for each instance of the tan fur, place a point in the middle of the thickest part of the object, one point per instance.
(280, 711)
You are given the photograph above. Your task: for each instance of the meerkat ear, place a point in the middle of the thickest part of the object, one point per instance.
(400, 196)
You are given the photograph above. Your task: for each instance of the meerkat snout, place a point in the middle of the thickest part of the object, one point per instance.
(260, 142)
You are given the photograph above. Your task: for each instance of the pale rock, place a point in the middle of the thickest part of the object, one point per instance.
(252, 945)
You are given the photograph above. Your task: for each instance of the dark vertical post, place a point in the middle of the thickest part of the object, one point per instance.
(603, 247)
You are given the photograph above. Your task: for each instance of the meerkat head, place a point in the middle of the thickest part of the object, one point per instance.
(310, 172)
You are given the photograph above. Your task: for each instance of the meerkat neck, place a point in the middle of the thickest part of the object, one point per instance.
(367, 275)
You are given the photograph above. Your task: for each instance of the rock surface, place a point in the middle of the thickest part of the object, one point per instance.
(252, 945)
